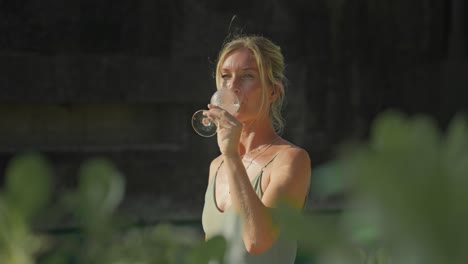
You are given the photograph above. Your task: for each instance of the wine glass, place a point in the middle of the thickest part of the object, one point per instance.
(223, 98)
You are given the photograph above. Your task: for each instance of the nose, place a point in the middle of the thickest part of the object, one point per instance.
(234, 84)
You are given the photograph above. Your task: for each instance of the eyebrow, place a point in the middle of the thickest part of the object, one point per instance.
(244, 69)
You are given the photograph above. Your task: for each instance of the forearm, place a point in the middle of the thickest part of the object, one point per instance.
(258, 232)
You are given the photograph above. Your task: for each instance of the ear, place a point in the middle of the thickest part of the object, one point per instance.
(274, 92)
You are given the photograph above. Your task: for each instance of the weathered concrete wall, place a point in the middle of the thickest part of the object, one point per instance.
(122, 79)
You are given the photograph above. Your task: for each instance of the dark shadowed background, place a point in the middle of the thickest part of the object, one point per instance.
(121, 79)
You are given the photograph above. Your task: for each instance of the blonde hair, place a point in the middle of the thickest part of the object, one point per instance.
(271, 66)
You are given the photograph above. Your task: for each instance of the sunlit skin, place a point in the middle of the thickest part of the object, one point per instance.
(239, 73)
(287, 177)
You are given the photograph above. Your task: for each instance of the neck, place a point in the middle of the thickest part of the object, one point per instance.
(255, 135)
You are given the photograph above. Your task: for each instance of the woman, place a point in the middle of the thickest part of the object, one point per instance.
(257, 167)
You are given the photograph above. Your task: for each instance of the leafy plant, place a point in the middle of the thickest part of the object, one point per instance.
(27, 192)
(406, 197)
(405, 204)
(102, 237)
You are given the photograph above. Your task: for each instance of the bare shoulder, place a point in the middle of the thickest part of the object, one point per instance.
(293, 162)
(290, 176)
(292, 154)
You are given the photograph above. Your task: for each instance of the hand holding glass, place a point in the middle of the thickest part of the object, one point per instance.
(223, 98)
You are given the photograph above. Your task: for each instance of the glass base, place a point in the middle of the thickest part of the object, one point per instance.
(203, 125)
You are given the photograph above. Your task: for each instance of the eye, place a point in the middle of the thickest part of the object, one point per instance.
(225, 76)
(247, 76)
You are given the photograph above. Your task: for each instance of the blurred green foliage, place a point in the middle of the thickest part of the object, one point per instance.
(405, 203)
(102, 238)
(406, 197)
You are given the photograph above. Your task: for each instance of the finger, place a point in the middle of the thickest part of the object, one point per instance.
(213, 116)
(221, 118)
(217, 113)
(214, 113)
(211, 106)
(215, 120)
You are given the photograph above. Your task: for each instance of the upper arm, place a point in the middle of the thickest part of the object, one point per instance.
(289, 178)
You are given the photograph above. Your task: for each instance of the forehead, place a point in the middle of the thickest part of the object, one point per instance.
(239, 59)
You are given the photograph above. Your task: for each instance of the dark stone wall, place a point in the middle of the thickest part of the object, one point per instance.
(121, 79)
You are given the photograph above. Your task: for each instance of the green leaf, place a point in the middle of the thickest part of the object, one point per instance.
(17, 243)
(314, 232)
(28, 183)
(101, 185)
(456, 139)
(389, 131)
(100, 189)
(456, 169)
(211, 250)
(363, 223)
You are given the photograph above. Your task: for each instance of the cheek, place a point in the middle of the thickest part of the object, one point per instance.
(250, 96)
(247, 106)
(251, 104)
(250, 85)
(250, 88)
